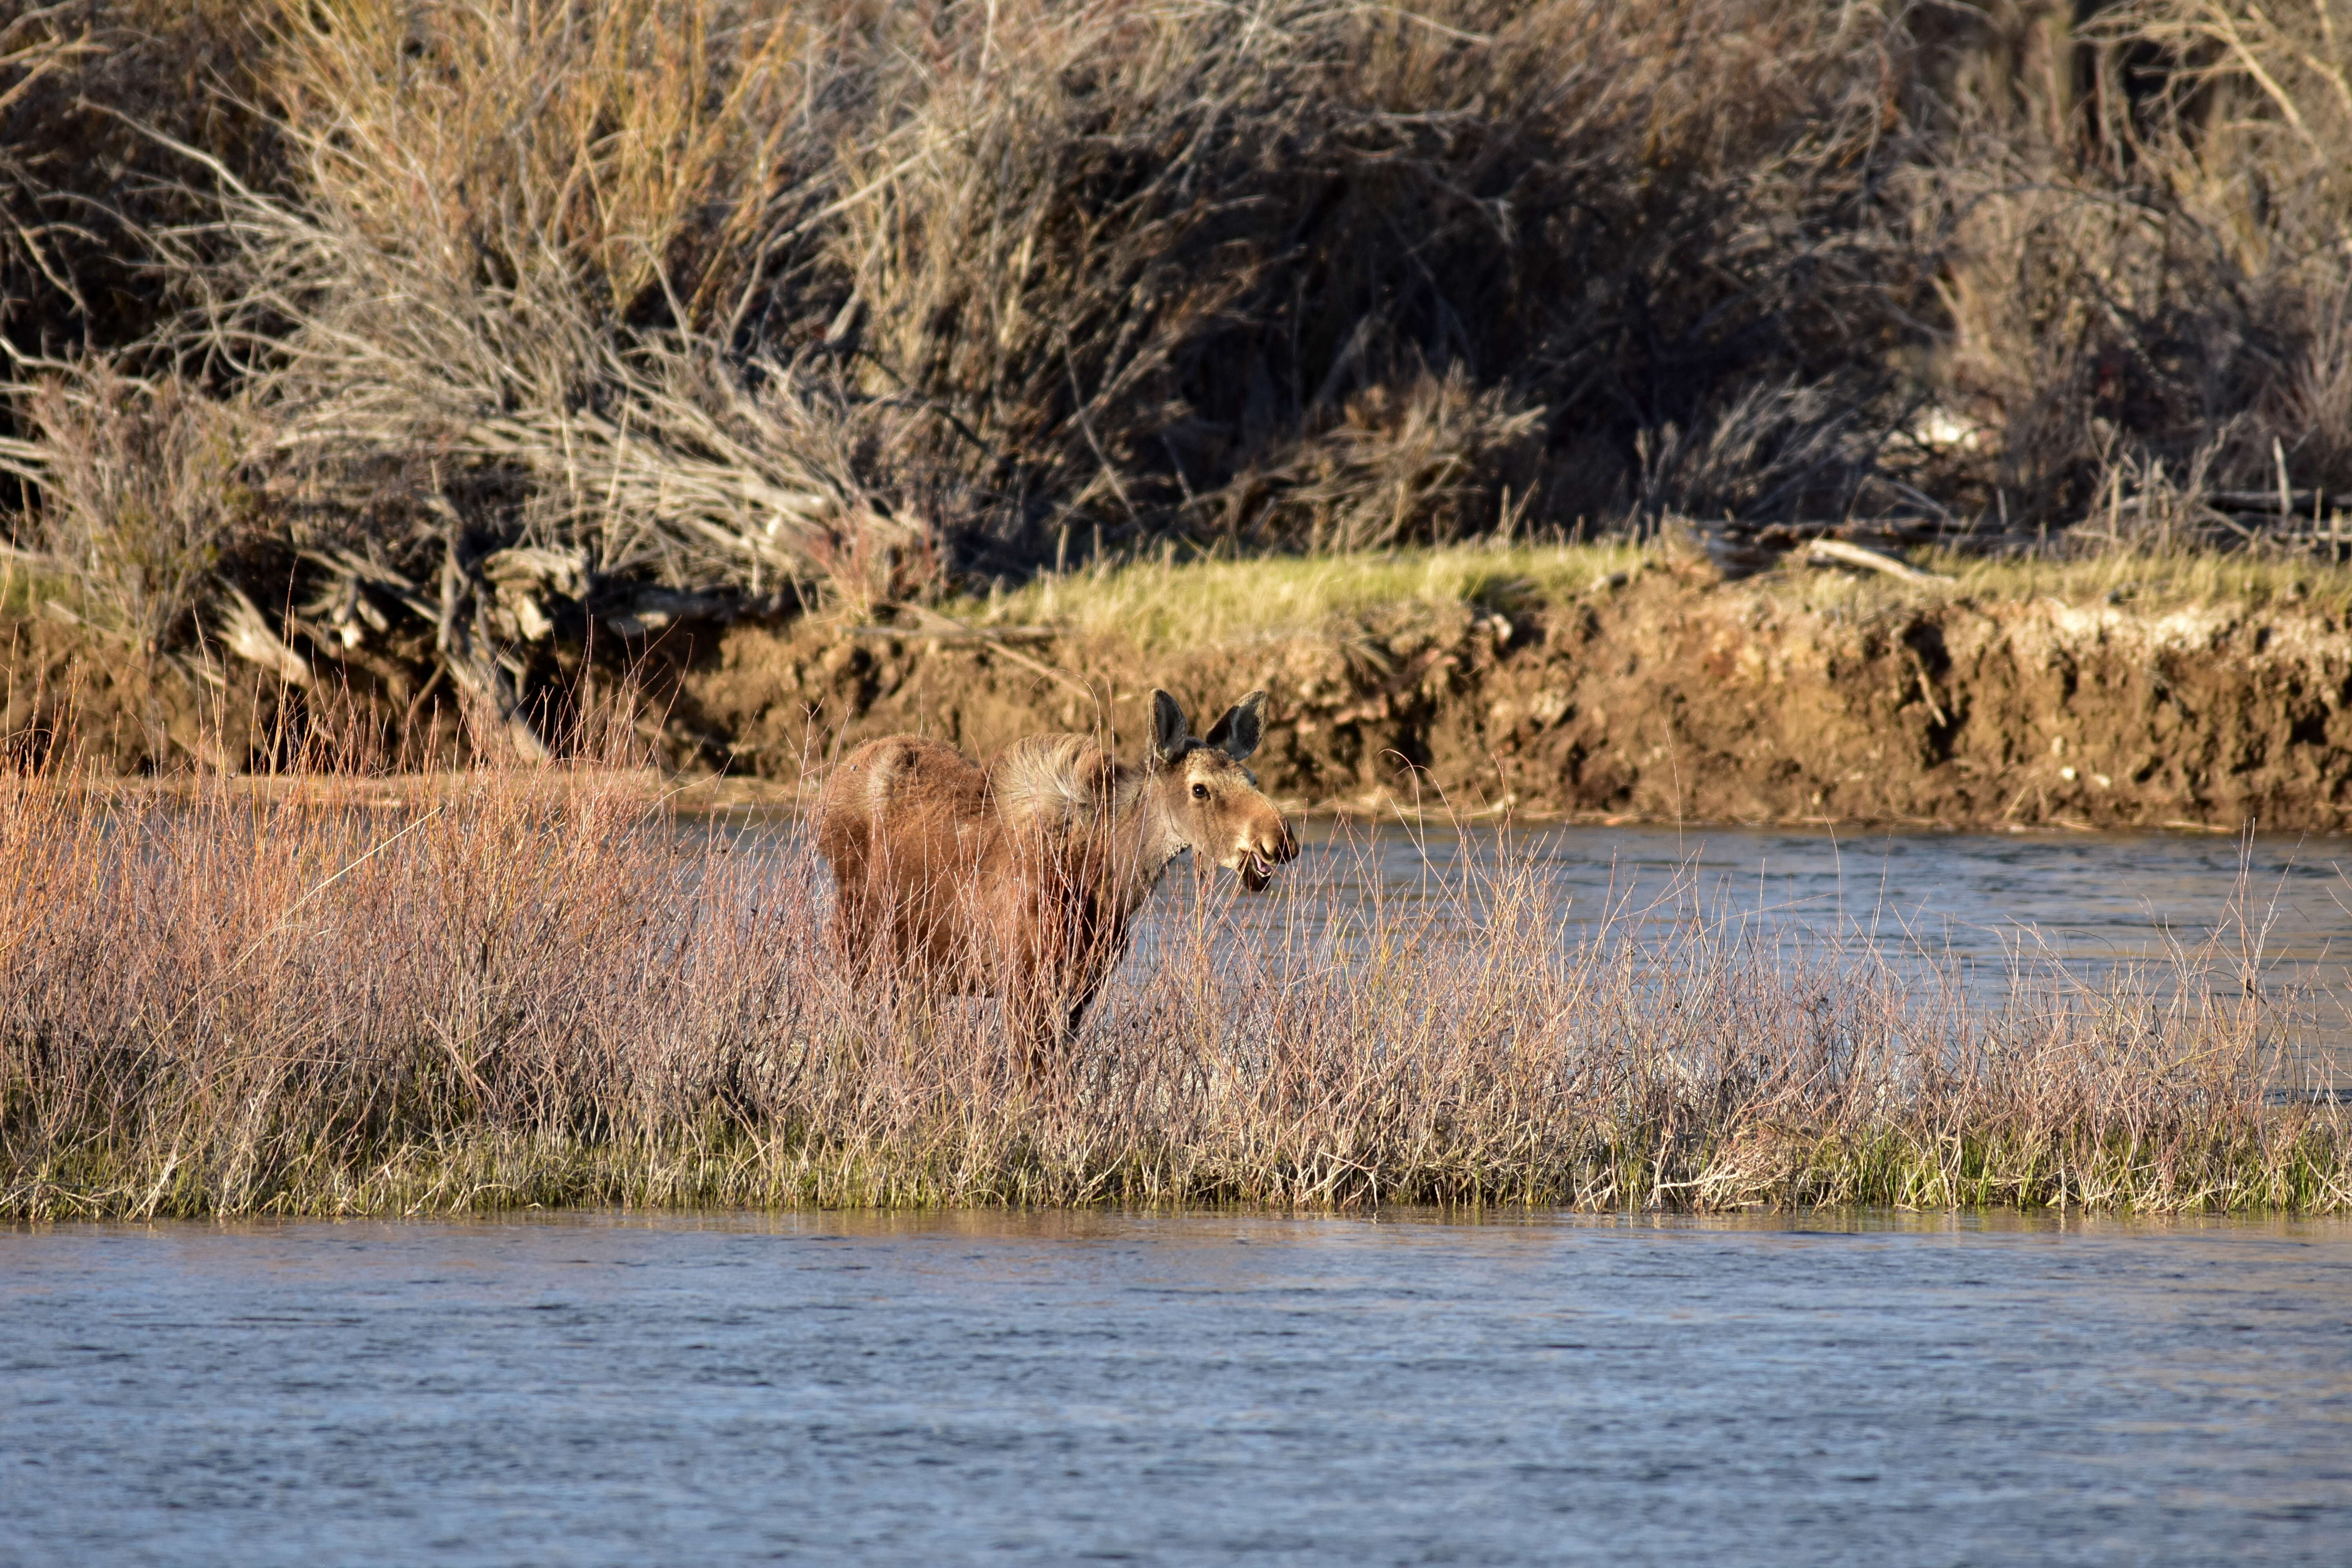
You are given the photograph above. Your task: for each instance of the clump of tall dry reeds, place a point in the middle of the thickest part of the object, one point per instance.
(538, 987)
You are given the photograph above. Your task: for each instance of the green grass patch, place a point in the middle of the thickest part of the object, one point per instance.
(2155, 583)
(1160, 603)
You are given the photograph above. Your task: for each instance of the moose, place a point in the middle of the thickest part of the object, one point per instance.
(1023, 879)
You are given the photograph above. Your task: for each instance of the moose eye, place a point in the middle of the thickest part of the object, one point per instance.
(1200, 791)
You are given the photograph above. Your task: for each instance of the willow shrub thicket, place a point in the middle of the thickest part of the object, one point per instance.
(536, 986)
(357, 336)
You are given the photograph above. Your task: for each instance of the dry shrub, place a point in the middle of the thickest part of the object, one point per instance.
(489, 199)
(2313, 401)
(1435, 459)
(32, 47)
(535, 987)
(145, 492)
(1776, 451)
(1146, 254)
(2148, 267)
(92, 94)
(756, 288)
(624, 150)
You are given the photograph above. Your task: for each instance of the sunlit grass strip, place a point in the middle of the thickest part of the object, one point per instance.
(2154, 581)
(1160, 602)
(541, 991)
(1165, 602)
(482, 1168)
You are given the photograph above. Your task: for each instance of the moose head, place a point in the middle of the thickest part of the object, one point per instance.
(1210, 801)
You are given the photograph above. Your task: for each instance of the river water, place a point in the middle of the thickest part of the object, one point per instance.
(982, 1388)
(1209, 1388)
(1978, 898)
(1990, 908)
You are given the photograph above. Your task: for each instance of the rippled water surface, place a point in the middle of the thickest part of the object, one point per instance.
(1198, 1389)
(1986, 906)
(1981, 897)
(1977, 897)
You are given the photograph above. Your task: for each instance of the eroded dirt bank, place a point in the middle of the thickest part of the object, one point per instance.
(1651, 697)
(1647, 695)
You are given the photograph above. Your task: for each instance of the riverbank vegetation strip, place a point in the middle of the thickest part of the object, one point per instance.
(537, 991)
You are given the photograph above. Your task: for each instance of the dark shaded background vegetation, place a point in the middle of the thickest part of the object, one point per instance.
(382, 345)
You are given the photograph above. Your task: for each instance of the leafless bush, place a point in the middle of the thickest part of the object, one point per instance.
(146, 489)
(1435, 458)
(32, 47)
(86, 86)
(2147, 263)
(1007, 269)
(1783, 451)
(1146, 254)
(485, 198)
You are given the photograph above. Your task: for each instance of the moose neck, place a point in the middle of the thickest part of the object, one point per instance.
(1141, 840)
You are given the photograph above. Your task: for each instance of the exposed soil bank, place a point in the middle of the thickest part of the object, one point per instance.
(1651, 696)
(1659, 697)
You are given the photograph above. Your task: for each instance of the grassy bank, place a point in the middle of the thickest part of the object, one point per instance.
(1162, 604)
(2133, 690)
(534, 992)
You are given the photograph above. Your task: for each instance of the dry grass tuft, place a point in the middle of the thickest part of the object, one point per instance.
(540, 989)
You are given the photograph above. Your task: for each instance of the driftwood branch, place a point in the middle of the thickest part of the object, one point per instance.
(1838, 552)
(246, 633)
(931, 622)
(2280, 502)
(462, 637)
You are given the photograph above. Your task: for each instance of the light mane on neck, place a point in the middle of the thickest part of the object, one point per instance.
(1055, 784)
(1070, 788)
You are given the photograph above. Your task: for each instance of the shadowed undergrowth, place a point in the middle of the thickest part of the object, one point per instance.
(541, 989)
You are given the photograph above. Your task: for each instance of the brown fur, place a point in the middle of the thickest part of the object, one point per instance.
(1023, 879)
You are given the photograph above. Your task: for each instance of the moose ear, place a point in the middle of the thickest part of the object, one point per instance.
(1238, 732)
(1167, 727)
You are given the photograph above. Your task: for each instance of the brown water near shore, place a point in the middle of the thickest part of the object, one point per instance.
(1653, 697)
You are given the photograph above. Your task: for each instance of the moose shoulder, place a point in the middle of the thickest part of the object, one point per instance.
(1022, 879)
